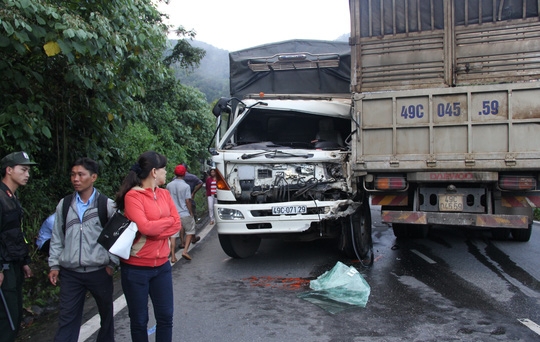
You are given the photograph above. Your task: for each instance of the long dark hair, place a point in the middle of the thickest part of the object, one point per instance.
(140, 170)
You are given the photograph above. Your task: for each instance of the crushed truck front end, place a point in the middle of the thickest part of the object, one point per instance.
(278, 176)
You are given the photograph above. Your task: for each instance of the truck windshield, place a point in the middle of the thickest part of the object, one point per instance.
(276, 129)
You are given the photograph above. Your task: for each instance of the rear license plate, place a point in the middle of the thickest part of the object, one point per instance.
(289, 209)
(451, 202)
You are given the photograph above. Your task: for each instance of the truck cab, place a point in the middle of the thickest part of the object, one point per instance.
(283, 148)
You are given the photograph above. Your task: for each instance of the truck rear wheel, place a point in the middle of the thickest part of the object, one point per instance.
(522, 235)
(414, 231)
(239, 246)
(501, 234)
(400, 230)
(356, 235)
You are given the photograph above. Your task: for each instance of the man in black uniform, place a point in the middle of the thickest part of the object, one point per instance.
(14, 259)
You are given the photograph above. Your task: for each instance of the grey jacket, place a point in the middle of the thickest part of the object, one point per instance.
(78, 250)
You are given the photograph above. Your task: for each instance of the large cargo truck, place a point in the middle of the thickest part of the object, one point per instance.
(447, 113)
(282, 144)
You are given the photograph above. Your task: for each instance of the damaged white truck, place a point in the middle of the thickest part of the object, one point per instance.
(282, 150)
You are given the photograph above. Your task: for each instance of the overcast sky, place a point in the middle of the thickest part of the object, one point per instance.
(239, 24)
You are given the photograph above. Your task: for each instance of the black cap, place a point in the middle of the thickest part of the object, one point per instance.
(16, 158)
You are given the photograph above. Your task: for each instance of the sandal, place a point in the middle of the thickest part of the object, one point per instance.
(195, 239)
(186, 256)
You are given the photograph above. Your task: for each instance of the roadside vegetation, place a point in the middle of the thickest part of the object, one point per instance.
(91, 78)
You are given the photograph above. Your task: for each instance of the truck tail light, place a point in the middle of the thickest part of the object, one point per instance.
(517, 183)
(390, 183)
(220, 181)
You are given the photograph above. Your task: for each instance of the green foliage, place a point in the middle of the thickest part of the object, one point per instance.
(89, 79)
(183, 54)
(536, 214)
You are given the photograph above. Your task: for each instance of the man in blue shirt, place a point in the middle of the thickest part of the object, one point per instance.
(78, 260)
(44, 237)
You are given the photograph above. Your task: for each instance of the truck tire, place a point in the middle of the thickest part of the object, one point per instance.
(501, 234)
(413, 231)
(400, 230)
(356, 237)
(239, 246)
(522, 235)
(418, 231)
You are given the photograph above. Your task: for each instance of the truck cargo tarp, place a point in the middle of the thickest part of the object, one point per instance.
(326, 69)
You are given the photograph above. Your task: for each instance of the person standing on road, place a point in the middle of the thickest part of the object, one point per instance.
(181, 195)
(147, 272)
(78, 260)
(14, 259)
(211, 191)
(44, 236)
(195, 184)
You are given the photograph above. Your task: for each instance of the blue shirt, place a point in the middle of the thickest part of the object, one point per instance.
(81, 206)
(45, 231)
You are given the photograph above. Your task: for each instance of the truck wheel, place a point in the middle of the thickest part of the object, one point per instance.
(414, 231)
(501, 234)
(400, 230)
(418, 231)
(356, 235)
(522, 235)
(239, 246)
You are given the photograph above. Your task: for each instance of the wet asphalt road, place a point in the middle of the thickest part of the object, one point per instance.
(455, 285)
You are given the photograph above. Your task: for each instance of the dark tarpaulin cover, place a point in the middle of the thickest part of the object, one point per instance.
(303, 81)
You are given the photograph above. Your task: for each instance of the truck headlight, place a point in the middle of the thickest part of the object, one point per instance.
(229, 214)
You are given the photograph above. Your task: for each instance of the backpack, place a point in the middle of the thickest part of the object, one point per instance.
(102, 210)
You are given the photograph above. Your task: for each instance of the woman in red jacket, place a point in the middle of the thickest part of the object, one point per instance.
(147, 271)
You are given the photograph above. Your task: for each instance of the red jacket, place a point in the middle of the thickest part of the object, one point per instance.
(157, 219)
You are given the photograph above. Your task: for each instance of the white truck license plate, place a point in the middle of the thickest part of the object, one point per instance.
(451, 202)
(289, 209)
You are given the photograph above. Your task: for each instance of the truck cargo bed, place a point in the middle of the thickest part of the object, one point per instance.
(483, 127)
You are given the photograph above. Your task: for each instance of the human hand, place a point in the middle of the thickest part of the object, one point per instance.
(27, 271)
(110, 270)
(1, 278)
(53, 276)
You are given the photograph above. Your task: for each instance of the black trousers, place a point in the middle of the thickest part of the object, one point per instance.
(73, 288)
(12, 288)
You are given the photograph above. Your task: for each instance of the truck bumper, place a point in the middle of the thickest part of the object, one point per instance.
(258, 218)
(456, 219)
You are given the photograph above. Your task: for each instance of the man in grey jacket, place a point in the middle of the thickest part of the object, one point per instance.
(76, 258)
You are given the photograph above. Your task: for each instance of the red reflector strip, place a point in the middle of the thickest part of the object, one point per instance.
(512, 201)
(395, 200)
(414, 217)
(499, 221)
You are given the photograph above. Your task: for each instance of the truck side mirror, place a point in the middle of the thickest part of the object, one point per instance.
(222, 106)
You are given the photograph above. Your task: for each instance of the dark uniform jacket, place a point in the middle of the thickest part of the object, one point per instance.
(13, 247)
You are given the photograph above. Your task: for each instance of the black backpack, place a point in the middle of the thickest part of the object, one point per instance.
(102, 210)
